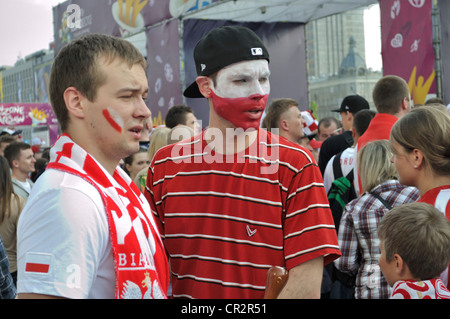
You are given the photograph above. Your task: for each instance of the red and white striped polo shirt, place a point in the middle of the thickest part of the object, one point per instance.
(226, 220)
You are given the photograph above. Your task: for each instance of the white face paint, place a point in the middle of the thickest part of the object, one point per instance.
(241, 92)
(243, 79)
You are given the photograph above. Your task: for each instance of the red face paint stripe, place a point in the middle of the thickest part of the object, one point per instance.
(111, 121)
(41, 268)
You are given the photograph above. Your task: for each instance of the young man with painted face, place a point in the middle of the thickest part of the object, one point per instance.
(87, 231)
(236, 200)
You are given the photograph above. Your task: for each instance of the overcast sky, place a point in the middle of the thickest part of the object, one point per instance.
(27, 26)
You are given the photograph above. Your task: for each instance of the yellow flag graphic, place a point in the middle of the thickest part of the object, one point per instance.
(419, 87)
(1, 86)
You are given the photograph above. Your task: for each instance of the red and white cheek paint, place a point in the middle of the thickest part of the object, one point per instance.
(114, 119)
(242, 112)
(241, 93)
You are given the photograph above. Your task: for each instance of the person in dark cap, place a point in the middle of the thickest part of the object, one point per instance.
(220, 51)
(237, 199)
(350, 105)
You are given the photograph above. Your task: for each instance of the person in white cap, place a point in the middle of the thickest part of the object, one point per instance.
(11, 132)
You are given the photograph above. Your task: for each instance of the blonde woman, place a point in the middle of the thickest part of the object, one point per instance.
(357, 236)
(158, 139)
(162, 136)
(421, 147)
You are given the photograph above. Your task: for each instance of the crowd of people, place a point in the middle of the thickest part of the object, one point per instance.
(120, 209)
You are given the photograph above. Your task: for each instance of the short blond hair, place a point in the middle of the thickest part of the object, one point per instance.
(420, 234)
(275, 110)
(158, 139)
(389, 93)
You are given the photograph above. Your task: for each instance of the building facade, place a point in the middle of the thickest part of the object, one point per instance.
(336, 61)
(24, 83)
(27, 80)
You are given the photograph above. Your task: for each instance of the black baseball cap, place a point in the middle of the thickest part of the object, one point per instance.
(224, 46)
(353, 104)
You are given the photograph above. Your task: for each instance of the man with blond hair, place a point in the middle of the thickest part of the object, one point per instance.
(284, 118)
(87, 231)
(392, 100)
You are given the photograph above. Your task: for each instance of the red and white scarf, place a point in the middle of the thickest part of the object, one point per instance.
(141, 265)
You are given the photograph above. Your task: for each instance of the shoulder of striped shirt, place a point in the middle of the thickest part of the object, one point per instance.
(290, 151)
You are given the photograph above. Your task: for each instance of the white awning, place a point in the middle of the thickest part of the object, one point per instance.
(275, 10)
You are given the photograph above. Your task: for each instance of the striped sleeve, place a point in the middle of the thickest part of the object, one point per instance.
(148, 193)
(309, 229)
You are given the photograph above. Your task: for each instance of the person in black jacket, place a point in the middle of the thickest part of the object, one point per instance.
(335, 144)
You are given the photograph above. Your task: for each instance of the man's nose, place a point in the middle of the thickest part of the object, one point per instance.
(256, 97)
(143, 110)
(257, 89)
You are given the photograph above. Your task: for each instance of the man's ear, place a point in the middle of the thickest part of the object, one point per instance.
(349, 116)
(15, 163)
(284, 125)
(204, 85)
(74, 102)
(405, 103)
